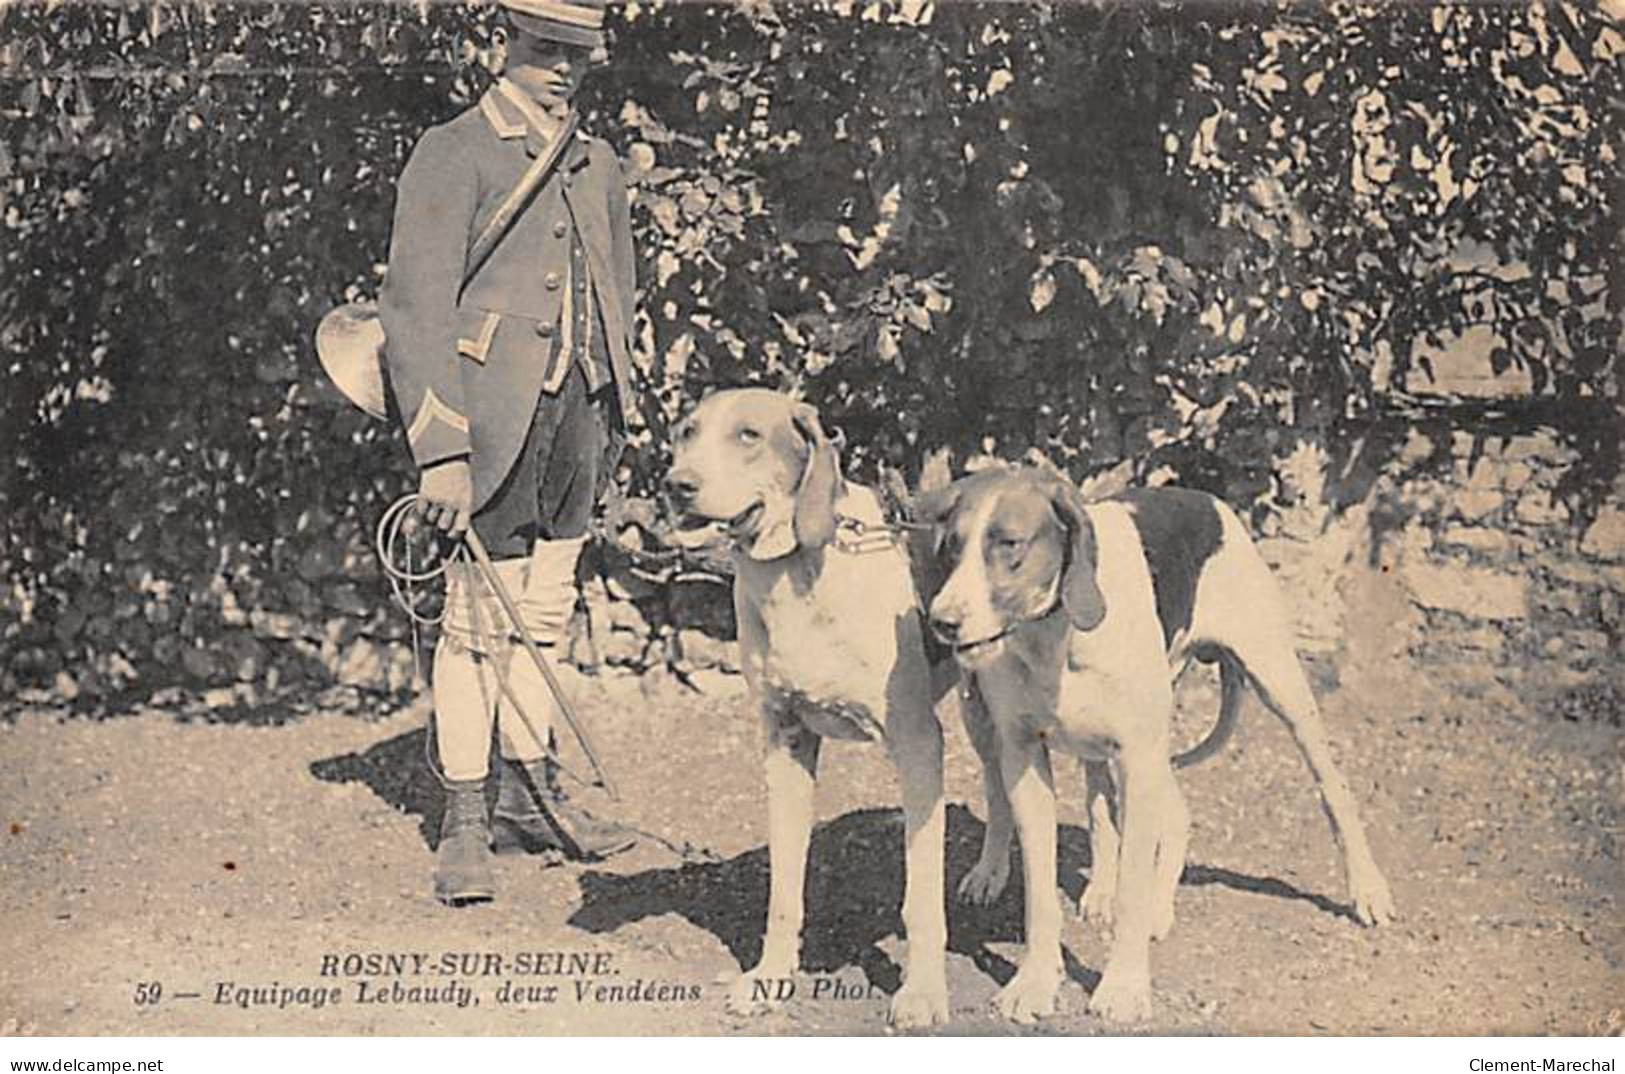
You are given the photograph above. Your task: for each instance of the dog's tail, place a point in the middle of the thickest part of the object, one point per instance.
(1232, 681)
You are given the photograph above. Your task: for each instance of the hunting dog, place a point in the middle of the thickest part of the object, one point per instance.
(1070, 620)
(832, 644)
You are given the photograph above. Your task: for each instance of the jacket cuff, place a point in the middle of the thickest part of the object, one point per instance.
(437, 431)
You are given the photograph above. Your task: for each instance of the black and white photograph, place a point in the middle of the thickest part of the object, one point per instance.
(837, 518)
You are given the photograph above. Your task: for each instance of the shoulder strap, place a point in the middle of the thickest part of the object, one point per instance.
(530, 182)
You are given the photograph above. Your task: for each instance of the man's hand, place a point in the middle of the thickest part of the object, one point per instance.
(446, 496)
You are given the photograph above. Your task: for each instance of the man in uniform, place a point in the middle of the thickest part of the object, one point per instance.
(514, 389)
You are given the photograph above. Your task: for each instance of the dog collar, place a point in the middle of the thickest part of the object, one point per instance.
(1053, 607)
(856, 537)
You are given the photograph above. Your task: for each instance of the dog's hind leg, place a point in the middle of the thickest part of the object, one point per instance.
(1100, 796)
(1105, 850)
(1239, 608)
(987, 878)
(1173, 839)
(1279, 679)
(1245, 615)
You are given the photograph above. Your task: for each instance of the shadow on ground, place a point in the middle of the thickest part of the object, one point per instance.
(854, 879)
(397, 771)
(854, 891)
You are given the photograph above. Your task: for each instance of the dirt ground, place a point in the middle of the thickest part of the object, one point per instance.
(167, 876)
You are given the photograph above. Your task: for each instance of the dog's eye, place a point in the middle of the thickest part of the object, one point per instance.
(1009, 550)
(747, 435)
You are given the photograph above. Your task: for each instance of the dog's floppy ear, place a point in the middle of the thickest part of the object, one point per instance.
(820, 481)
(928, 511)
(1080, 592)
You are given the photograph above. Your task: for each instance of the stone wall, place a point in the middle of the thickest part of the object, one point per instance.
(1476, 577)
(1472, 576)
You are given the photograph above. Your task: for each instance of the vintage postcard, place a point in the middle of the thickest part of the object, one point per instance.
(547, 517)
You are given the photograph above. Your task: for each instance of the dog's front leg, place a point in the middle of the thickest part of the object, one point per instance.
(1024, 764)
(986, 880)
(1124, 992)
(791, 768)
(915, 740)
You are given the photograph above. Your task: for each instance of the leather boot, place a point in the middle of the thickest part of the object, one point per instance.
(534, 816)
(462, 872)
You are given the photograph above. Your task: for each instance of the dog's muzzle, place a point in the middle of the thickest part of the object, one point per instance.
(949, 629)
(695, 528)
(949, 634)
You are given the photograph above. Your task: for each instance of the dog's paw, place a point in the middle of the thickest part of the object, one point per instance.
(1095, 904)
(1030, 995)
(759, 991)
(920, 1006)
(1373, 903)
(1123, 995)
(983, 885)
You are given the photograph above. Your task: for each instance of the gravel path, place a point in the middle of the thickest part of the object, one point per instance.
(173, 877)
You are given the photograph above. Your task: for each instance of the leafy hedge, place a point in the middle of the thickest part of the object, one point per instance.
(1188, 237)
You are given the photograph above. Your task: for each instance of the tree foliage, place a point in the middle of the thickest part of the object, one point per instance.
(1181, 234)
(1185, 237)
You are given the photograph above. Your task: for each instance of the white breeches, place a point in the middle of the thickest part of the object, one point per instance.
(478, 643)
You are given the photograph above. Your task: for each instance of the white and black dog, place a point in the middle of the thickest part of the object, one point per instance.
(1071, 620)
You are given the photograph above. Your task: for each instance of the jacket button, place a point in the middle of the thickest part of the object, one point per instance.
(560, 228)
(544, 329)
(551, 281)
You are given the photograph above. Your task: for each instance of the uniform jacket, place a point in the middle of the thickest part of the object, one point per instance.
(468, 364)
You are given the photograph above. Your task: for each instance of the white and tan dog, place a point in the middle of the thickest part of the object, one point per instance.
(1070, 621)
(832, 645)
